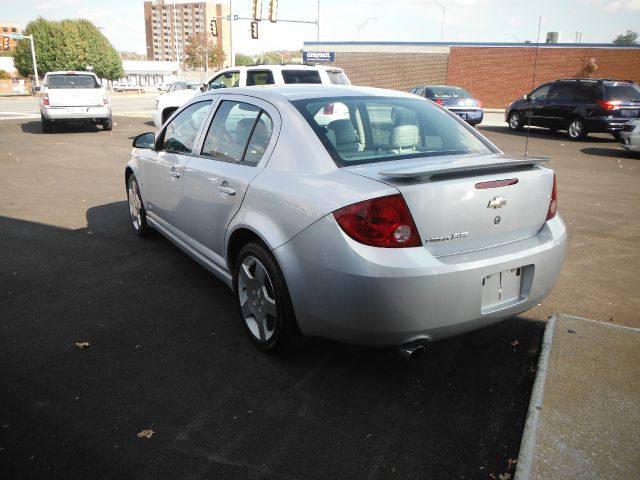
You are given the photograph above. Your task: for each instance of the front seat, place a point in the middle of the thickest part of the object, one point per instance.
(346, 138)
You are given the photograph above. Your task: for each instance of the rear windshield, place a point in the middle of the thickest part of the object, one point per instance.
(623, 93)
(337, 77)
(449, 92)
(301, 76)
(357, 130)
(72, 81)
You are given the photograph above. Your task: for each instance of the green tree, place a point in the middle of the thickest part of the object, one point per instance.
(195, 51)
(628, 38)
(4, 75)
(242, 59)
(68, 45)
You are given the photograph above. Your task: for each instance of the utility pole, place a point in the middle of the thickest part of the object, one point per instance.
(444, 10)
(175, 37)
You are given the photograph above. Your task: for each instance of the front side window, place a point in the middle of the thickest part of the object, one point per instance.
(180, 134)
(301, 76)
(239, 132)
(225, 80)
(540, 93)
(380, 129)
(560, 92)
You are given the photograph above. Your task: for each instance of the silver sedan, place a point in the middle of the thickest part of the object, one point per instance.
(394, 224)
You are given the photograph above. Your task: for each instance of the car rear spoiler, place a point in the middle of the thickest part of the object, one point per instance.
(459, 165)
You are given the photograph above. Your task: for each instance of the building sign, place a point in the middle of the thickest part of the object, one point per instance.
(318, 57)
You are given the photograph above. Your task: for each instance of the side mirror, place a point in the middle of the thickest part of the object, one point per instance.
(145, 140)
(203, 87)
(527, 97)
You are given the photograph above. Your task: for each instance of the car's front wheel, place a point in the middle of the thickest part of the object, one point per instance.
(264, 300)
(576, 129)
(515, 121)
(136, 207)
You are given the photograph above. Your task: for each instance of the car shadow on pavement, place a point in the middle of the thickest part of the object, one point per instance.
(171, 385)
(611, 152)
(35, 127)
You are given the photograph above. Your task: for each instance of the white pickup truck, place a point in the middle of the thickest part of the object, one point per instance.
(73, 97)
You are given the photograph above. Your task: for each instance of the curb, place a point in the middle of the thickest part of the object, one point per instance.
(528, 444)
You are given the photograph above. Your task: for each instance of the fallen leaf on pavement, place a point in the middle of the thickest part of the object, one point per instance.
(146, 433)
(504, 476)
(82, 345)
(515, 343)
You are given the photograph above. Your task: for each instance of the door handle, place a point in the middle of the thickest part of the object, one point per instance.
(225, 188)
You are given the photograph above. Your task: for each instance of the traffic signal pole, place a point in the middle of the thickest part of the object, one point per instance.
(19, 36)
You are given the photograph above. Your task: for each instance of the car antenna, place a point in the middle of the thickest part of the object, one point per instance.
(533, 84)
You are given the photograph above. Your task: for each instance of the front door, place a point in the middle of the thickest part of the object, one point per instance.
(163, 168)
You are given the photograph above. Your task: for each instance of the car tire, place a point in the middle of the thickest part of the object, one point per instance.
(107, 125)
(264, 301)
(576, 129)
(137, 212)
(46, 125)
(515, 121)
(167, 113)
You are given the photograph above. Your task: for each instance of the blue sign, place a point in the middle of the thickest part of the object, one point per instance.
(311, 57)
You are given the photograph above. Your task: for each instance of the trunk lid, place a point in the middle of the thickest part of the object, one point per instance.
(75, 97)
(470, 202)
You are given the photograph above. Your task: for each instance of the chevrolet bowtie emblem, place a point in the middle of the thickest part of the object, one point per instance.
(497, 202)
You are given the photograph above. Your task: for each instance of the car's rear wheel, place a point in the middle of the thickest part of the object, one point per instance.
(576, 129)
(136, 207)
(515, 121)
(107, 125)
(264, 300)
(46, 124)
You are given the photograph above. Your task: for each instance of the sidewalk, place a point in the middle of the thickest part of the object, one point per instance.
(584, 416)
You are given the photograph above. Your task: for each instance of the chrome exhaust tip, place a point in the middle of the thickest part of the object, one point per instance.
(411, 351)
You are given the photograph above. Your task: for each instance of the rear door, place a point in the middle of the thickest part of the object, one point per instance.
(74, 90)
(235, 148)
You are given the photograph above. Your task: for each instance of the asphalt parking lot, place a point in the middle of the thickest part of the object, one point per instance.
(167, 352)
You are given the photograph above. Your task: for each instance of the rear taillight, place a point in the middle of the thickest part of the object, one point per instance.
(609, 104)
(328, 109)
(480, 104)
(45, 99)
(553, 204)
(438, 101)
(381, 222)
(105, 100)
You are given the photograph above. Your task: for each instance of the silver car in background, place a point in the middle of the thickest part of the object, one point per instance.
(394, 225)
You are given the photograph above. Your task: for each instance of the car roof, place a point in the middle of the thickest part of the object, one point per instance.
(310, 91)
(287, 66)
(70, 72)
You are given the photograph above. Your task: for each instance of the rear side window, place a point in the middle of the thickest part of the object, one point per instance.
(301, 76)
(337, 77)
(72, 81)
(560, 92)
(623, 93)
(239, 132)
(259, 77)
(586, 93)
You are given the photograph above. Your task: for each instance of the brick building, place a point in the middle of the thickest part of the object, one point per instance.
(169, 25)
(5, 28)
(496, 73)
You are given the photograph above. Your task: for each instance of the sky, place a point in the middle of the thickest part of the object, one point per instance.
(600, 21)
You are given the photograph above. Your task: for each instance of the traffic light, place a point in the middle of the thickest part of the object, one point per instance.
(254, 30)
(214, 27)
(257, 10)
(273, 10)
(5, 43)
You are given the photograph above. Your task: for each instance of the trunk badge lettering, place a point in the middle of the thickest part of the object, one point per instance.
(446, 238)
(497, 202)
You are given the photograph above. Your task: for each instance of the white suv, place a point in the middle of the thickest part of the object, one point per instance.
(168, 103)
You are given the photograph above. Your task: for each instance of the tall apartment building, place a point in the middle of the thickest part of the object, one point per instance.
(6, 27)
(168, 26)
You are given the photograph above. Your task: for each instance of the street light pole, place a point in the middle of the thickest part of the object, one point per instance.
(363, 24)
(33, 56)
(444, 10)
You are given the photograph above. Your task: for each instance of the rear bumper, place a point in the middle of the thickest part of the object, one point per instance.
(472, 116)
(349, 292)
(606, 125)
(70, 114)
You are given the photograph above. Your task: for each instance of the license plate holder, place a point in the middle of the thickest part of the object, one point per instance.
(629, 113)
(501, 288)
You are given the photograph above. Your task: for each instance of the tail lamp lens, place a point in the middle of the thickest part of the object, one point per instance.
(609, 104)
(553, 204)
(382, 222)
(439, 102)
(105, 100)
(45, 99)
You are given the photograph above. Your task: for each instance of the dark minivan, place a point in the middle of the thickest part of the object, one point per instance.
(578, 105)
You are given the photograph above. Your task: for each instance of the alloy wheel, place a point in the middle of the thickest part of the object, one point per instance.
(575, 129)
(135, 204)
(257, 299)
